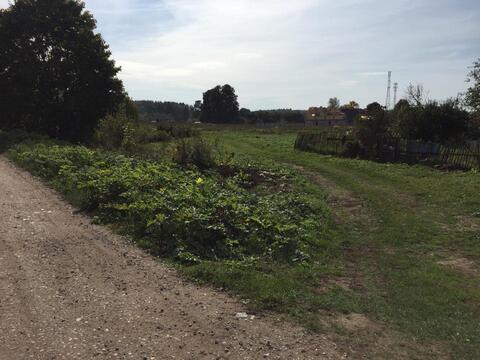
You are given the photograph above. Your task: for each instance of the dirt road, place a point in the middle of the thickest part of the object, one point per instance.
(73, 290)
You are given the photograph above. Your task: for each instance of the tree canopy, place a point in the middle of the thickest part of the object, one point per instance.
(473, 93)
(164, 111)
(56, 74)
(433, 121)
(272, 116)
(351, 105)
(333, 103)
(220, 105)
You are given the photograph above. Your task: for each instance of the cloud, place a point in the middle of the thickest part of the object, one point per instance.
(373, 73)
(298, 53)
(284, 53)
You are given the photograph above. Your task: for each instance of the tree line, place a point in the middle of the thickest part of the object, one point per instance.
(57, 77)
(157, 111)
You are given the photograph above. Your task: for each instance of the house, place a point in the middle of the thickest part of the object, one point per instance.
(322, 116)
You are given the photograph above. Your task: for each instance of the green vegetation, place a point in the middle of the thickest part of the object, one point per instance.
(187, 214)
(413, 218)
(220, 105)
(264, 231)
(431, 121)
(160, 111)
(57, 76)
(472, 97)
(399, 245)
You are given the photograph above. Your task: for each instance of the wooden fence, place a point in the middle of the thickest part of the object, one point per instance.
(392, 149)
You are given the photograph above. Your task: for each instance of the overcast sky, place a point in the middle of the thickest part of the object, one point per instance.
(289, 53)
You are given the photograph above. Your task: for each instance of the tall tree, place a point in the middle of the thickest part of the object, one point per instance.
(220, 105)
(333, 103)
(416, 95)
(351, 105)
(370, 127)
(473, 93)
(56, 74)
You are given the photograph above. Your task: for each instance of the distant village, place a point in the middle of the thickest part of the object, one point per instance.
(326, 116)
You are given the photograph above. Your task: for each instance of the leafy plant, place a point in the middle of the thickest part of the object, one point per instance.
(185, 214)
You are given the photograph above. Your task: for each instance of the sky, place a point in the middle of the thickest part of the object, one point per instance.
(289, 53)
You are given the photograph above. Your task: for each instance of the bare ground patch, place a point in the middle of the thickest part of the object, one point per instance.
(467, 223)
(463, 223)
(70, 289)
(379, 342)
(407, 200)
(332, 282)
(461, 264)
(355, 322)
(345, 205)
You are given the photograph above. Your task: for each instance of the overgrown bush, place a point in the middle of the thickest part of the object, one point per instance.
(367, 130)
(432, 121)
(115, 132)
(180, 213)
(121, 129)
(9, 139)
(200, 153)
(178, 131)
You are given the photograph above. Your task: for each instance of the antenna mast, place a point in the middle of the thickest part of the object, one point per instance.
(395, 90)
(389, 87)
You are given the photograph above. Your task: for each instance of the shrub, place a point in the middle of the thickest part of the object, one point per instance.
(178, 131)
(17, 136)
(196, 152)
(114, 132)
(433, 121)
(369, 128)
(184, 214)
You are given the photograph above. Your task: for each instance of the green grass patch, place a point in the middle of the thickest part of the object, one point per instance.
(419, 216)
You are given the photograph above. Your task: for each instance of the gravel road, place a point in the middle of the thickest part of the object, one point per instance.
(73, 290)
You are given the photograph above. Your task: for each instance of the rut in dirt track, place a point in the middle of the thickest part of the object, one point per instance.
(73, 290)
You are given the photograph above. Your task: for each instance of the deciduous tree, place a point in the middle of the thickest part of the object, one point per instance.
(220, 105)
(56, 74)
(472, 96)
(333, 103)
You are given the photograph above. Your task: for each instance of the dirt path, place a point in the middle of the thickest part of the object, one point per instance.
(72, 290)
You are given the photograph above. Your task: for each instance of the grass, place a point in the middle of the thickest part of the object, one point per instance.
(416, 217)
(410, 218)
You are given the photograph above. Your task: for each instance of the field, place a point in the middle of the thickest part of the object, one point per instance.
(383, 257)
(409, 244)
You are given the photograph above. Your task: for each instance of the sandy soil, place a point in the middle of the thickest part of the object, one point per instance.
(73, 290)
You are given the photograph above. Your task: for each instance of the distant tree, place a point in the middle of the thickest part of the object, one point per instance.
(472, 97)
(158, 111)
(56, 74)
(402, 103)
(294, 117)
(246, 116)
(433, 121)
(351, 105)
(197, 109)
(368, 128)
(220, 105)
(374, 109)
(416, 95)
(130, 109)
(333, 103)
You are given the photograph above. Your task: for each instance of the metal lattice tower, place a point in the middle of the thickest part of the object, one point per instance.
(395, 90)
(389, 87)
